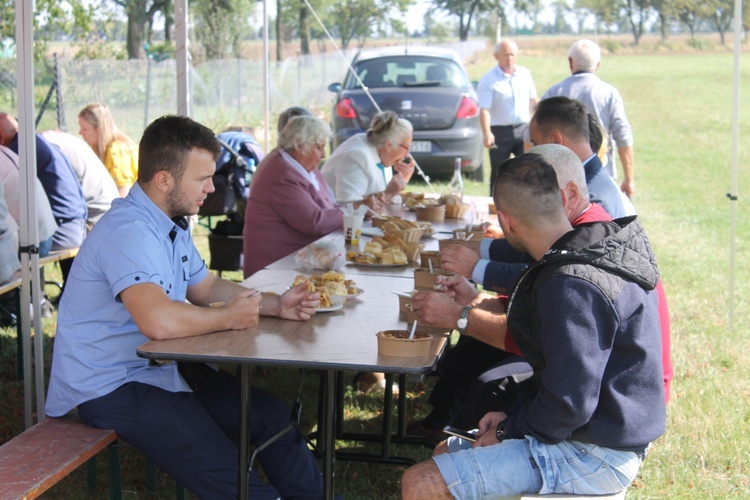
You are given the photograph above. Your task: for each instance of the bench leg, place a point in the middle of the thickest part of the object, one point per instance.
(115, 484)
(91, 475)
(150, 475)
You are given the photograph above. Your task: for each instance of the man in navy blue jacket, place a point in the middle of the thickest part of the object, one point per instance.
(585, 317)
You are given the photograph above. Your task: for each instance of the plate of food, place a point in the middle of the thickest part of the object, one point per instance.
(334, 304)
(376, 265)
(374, 255)
(353, 294)
(333, 287)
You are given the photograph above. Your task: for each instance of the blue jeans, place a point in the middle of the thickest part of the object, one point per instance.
(518, 466)
(193, 436)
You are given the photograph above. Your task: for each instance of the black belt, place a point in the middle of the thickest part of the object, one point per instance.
(61, 221)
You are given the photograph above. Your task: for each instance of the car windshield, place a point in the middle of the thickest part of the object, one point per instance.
(407, 71)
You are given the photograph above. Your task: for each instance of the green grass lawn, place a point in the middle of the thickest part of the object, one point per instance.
(680, 107)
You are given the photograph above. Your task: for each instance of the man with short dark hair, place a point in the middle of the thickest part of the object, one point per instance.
(584, 316)
(139, 276)
(565, 121)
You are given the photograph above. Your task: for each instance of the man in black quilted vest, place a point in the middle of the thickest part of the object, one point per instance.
(584, 316)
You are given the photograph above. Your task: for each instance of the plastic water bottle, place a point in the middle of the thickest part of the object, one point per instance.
(457, 182)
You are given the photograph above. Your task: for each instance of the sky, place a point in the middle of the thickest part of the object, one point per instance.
(415, 14)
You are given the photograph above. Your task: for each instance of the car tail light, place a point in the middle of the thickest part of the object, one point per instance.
(468, 108)
(344, 109)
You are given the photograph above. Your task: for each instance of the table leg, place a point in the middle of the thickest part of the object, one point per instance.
(401, 430)
(387, 415)
(329, 438)
(244, 411)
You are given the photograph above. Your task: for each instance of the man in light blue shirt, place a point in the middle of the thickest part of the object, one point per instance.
(507, 96)
(129, 284)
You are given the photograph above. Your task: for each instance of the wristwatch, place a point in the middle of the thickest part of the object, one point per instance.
(501, 430)
(463, 320)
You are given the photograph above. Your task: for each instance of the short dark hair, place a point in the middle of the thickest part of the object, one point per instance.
(565, 114)
(526, 186)
(166, 143)
(290, 113)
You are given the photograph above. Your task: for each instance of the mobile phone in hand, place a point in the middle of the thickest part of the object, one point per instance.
(453, 431)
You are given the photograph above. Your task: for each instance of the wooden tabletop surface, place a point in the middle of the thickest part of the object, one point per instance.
(340, 340)
(443, 230)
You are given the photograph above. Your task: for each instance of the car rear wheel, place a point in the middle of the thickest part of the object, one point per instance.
(476, 175)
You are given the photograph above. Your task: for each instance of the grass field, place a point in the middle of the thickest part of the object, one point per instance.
(680, 106)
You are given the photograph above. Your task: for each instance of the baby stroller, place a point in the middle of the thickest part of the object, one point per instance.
(235, 167)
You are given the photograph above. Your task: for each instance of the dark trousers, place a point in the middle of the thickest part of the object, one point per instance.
(194, 437)
(458, 369)
(508, 139)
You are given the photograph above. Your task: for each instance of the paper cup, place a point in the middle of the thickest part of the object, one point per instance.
(353, 228)
(411, 317)
(472, 244)
(396, 343)
(404, 303)
(429, 256)
(425, 280)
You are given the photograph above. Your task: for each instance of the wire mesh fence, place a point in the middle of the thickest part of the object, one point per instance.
(222, 92)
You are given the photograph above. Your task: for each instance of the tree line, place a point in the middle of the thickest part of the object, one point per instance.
(219, 27)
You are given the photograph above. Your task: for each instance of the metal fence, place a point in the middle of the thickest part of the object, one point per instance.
(223, 92)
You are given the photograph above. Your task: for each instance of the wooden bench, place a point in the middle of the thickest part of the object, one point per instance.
(11, 284)
(44, 454)
(58, 255)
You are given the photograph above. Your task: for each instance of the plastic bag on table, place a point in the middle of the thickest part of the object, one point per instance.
(329, 253)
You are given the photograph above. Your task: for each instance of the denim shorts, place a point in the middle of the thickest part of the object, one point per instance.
(518, 466)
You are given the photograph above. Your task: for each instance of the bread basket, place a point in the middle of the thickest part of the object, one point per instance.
(431, 213)
(456, 211)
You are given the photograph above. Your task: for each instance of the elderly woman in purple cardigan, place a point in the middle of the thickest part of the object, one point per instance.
(290, 204)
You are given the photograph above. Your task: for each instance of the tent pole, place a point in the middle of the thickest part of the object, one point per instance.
(28, 234)
(182, 57)
(266, 80)
(733, 194)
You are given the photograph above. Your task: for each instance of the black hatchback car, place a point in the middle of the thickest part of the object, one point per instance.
(426, 85)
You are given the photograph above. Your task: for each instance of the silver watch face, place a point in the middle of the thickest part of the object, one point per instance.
(461, 323)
